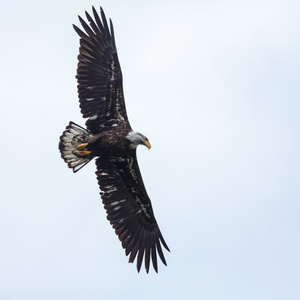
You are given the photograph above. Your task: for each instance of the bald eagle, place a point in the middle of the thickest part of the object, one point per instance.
(109, 138)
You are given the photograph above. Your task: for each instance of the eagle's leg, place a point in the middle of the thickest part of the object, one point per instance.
(82, 146)
(82, 150)
(83, 153)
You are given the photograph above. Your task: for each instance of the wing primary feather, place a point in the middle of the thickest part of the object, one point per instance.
(106, 29)
(81, 33)
(154, 258)
(147, 245)
(141, 249)
(160, 253)
(147, 259)
(138, 242)
(163, 242)
(98, 21)
(140, 258)
(112, 34)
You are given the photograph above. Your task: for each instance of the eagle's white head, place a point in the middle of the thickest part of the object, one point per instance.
(136, 138)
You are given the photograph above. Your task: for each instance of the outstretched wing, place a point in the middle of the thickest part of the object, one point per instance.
(99, 76)
(129, 210)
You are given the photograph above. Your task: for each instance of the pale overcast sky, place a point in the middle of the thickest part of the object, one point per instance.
(214, 85)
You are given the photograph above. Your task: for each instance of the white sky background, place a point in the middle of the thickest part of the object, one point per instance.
(215, 87)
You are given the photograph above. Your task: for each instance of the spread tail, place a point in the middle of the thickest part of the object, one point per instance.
(73, 136)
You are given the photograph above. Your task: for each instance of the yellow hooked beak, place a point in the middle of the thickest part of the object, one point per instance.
(147, 144)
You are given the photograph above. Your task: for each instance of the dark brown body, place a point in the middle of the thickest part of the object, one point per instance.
(110, 142)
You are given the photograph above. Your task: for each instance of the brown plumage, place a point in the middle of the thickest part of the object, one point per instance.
(110, 139)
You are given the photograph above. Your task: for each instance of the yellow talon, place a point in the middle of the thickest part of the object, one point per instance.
(83, 153)
(82, 146)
